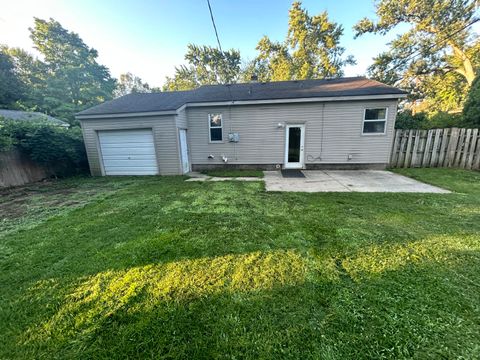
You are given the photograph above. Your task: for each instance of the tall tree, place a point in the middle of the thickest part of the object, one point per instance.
(206, 65)
(11, 87)
(438, 49)
(310, 50)
(129, 83)
(73, 80)
(32, 73)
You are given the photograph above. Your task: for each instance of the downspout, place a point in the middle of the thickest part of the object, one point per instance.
(323, 126)
(231, 119)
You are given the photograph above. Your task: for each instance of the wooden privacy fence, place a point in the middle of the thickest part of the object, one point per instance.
(17, 169)
(436, 148)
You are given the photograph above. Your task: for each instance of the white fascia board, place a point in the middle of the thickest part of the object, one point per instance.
(125, 115)
(245, 102)
(300, 100)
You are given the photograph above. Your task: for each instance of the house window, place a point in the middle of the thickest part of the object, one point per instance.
(215, 126)
(375, 121)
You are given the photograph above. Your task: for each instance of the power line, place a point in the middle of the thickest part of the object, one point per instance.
(449, 36)
(214, 26)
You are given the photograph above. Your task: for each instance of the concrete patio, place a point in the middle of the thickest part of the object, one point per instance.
(347, 181)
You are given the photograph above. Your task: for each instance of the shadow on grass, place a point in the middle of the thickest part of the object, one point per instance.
(171, 220)
(411, 300)
(150, 270)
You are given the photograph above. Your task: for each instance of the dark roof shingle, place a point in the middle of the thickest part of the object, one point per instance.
(165, 101)
(19, 115)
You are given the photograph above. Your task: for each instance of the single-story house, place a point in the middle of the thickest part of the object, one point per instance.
(309, 124)
(31, 116)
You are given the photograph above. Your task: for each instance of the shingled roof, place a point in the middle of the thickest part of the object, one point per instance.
(31, 116)
(170, 101)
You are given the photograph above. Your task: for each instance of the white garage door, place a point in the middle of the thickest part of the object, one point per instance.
(128, 152)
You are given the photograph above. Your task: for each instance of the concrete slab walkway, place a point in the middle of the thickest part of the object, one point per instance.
(347, 181)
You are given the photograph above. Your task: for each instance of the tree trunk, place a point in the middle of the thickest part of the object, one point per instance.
(467, 69)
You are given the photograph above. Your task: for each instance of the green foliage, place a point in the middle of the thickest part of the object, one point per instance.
(129, 83)
(60, 149)
(163, 268)
(66, 80)
(407, 120)
(426, 121)
(311, 50)
(436, 58)
(471, 110)
(11, 87)
(206, 66)
(441, 120)
(6, 141)
(75, 81)
(31, 72)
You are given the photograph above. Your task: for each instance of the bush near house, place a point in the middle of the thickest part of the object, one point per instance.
(60, 149)
(471, 110)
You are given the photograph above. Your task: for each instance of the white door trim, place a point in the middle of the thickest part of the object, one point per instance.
(301, 163)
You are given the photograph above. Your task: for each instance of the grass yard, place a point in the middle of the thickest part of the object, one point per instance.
(233, 173)
(166, 269)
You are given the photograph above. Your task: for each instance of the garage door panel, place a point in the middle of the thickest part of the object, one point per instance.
(131, 172)
(130, 157)
(130, 163)
(121, 145)
(128, 152)
(111, 139)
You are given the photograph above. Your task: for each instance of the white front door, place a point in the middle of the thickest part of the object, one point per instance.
(294, 143)
(184, 151)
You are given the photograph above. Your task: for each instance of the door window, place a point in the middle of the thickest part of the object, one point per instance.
(294, 140)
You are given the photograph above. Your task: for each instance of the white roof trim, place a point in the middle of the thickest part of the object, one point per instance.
(299, 100)
(121, 115)
(246, 102)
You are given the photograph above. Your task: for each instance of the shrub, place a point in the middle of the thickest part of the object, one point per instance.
(424, 121)
(60, 149)
(471, 110)
(406, 120)
(442, 120)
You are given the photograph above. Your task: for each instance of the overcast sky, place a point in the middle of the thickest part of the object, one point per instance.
(148, 38)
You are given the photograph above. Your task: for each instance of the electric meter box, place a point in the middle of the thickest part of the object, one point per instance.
(233, 137)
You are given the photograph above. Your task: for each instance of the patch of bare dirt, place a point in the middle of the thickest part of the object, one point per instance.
(15, 202)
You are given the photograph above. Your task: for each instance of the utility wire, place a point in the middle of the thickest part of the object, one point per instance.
(227, 85)
(448, 37)
(214, 26)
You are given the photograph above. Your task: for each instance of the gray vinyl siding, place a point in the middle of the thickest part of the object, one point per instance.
(181, 119)
(333, 130)
(164, 134)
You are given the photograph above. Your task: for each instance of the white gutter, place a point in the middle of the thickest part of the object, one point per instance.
(134, 114)
(245, 102)
(298, 100)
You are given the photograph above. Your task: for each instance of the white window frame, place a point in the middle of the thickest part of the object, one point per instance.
(375, 120)
(214, 127)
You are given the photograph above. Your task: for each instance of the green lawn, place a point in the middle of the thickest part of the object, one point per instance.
(162, 268)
